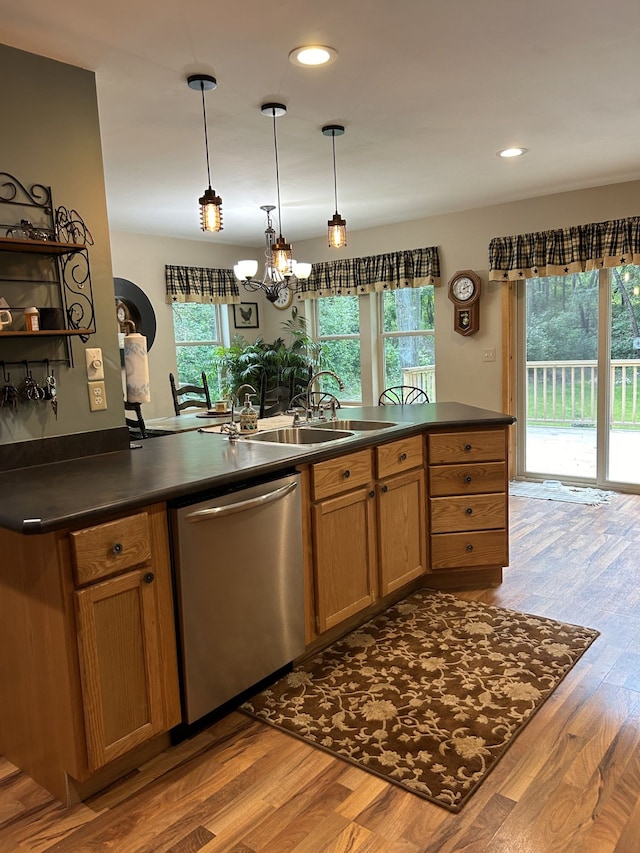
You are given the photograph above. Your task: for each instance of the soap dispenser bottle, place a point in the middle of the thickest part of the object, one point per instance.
(248, 417)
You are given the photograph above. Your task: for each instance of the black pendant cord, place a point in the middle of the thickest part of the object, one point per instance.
(275, 145)
(206, 135)
(335, 180)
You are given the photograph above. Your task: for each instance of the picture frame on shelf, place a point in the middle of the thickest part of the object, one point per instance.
(245, 315)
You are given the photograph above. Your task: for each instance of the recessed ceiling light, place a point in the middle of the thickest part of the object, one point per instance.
(512, 152)
(310, 55)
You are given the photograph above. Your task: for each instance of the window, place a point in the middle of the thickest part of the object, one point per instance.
(407, 336)
(197, 331)
(338, 330)
(377, 340)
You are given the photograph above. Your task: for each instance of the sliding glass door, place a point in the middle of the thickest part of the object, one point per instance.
(579, 361)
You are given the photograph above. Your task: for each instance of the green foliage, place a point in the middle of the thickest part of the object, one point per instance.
(562, 316)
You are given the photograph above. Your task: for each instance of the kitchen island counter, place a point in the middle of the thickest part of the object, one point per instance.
(50, 497)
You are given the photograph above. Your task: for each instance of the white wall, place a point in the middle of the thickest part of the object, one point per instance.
(463, 241)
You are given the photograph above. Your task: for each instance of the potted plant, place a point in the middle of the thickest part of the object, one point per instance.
(277, 362)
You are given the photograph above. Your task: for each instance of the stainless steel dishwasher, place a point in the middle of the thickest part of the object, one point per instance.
(239, 584)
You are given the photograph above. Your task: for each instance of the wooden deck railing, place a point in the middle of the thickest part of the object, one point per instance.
(423, 376)
(566, 392)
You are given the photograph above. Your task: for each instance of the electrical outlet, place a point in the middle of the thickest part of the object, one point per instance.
(489, 354)
(95, 367)
(97, 396)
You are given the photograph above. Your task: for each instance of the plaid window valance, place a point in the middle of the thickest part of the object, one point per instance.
(578, 248)
(356, 276)
(200, 284)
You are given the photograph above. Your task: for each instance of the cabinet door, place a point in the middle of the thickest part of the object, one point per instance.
(401, 530)
(345, 555)
(120, 664)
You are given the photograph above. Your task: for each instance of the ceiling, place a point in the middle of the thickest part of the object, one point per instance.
(428, 91)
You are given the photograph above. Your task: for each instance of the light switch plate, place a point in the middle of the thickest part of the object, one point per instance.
(95, 367)
(97, 396)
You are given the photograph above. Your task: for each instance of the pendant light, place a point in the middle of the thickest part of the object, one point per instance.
(337, 232)
(281, 252)
(210, 203)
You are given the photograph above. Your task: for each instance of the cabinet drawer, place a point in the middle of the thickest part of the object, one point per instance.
(480, 446)
(467, 479)
(462, 550)
(336, 476)
(110, 548)
(475, 512)
(399, 456)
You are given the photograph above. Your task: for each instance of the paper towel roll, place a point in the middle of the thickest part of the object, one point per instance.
(136, 368)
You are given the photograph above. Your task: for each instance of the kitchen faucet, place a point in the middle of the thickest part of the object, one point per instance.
(313, 379)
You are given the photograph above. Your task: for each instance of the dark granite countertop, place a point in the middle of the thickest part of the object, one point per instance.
(87, 490)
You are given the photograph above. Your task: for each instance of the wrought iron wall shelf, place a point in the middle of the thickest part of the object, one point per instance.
(31, 226)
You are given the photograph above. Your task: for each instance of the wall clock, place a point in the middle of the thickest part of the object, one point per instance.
(464, 292)
(284, 298)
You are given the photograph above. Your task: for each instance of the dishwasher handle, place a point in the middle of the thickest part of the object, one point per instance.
(241, 506)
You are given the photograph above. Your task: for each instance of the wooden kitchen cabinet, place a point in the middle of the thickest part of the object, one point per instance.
(368, 521)
(88, 643)
(401, 513)
(344, 539)
(468, 499)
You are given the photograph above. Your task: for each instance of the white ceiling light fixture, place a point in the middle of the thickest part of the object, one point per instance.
(280, 269)
(512, 152)
(313, 55)
(337, 226)
(210, 203)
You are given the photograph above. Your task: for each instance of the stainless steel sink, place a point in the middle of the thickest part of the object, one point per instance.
(352, 425)
(299, 435)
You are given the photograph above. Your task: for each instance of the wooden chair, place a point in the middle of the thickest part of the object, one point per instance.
(190, 402)
(137, 428)
(274, 398)
(316, 398)
(401, 394)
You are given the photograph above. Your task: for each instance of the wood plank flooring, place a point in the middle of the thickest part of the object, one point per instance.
(570, 782)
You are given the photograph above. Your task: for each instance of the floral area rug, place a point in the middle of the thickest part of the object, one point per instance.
(429, 694)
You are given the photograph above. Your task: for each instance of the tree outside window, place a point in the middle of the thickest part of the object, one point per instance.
(197, 332)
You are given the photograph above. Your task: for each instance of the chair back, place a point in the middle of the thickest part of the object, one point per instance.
(136, 425)
(181, 398)
(274, 397)
(401, 394)
(316, 398)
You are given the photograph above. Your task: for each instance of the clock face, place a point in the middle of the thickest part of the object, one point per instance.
(463, 288)
(285, 298)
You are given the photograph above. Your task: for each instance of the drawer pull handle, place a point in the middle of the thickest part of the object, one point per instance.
(403, 457)
(117, 548)
(347, 474)
(467, 448)
(467, 479)
(469, 547)
(385, 488)
(149, 577)
(372, 494)
(469, 511)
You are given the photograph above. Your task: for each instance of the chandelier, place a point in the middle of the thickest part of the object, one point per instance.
(272, 281)
(281, 271)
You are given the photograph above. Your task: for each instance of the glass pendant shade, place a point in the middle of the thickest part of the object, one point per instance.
(282, 257)
(245, 269)
(210, 211)
(301, 269)
(337, 232)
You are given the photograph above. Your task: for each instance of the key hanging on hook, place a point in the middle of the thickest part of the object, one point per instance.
(50, 389)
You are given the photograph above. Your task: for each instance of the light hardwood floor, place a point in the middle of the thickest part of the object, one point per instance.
(570, 782)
